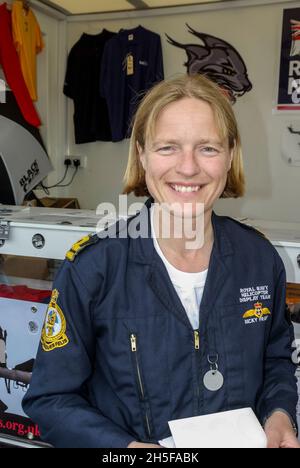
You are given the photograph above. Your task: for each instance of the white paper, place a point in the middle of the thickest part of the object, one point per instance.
(167, 443)
(230, 429)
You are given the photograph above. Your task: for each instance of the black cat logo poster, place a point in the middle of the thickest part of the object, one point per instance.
(218, 60)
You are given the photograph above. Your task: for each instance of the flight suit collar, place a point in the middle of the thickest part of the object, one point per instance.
(142, 249)
(143, 252)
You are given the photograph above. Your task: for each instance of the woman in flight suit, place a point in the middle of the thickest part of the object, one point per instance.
(146, 329)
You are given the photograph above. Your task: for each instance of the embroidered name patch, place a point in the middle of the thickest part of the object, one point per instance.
(257, 314)
(254, 293)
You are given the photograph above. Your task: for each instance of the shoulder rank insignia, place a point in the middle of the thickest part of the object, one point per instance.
(81, 245)
(54, 330)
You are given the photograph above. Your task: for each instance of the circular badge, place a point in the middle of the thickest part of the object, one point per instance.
(38, 241)
(213, 380)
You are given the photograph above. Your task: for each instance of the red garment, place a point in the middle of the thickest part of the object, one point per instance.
(23, 293)
(12, 69)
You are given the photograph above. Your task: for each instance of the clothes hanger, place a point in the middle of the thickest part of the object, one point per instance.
(26, 5)
(8, 4)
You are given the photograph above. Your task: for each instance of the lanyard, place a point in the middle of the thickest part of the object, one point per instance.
(213, 379)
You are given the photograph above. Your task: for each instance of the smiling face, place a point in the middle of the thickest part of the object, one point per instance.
(186, 161)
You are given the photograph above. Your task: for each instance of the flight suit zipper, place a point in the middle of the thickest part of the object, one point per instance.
(197, 339)
(197, 348)
(134, 351)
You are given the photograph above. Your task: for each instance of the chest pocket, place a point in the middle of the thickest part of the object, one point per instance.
(245, 330)
(147, 344)
(140, 385)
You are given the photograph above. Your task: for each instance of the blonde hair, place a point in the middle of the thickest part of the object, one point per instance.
(191, 86)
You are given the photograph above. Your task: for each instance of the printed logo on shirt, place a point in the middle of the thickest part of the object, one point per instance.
(54, 330)
(258, 314)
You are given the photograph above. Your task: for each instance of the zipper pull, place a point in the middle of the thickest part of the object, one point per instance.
(197, 339)
(133, 343)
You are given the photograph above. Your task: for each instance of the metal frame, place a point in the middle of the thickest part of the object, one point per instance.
(179, 10)
(47, 6)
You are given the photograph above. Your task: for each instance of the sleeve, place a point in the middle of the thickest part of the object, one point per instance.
(159, 66)
(39, 42)
(17, 36)
(280, 385)
(70, 77)
(56, 399)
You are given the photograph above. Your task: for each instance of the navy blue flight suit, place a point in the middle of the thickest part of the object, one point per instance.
(130, 360)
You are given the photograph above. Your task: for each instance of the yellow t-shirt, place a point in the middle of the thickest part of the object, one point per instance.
(28, 42)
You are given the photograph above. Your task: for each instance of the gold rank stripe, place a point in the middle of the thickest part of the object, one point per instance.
(78, 247)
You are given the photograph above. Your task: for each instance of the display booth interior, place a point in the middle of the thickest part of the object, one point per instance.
(66, 116)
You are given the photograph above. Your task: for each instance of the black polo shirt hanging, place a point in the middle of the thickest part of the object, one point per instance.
(91, 120)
